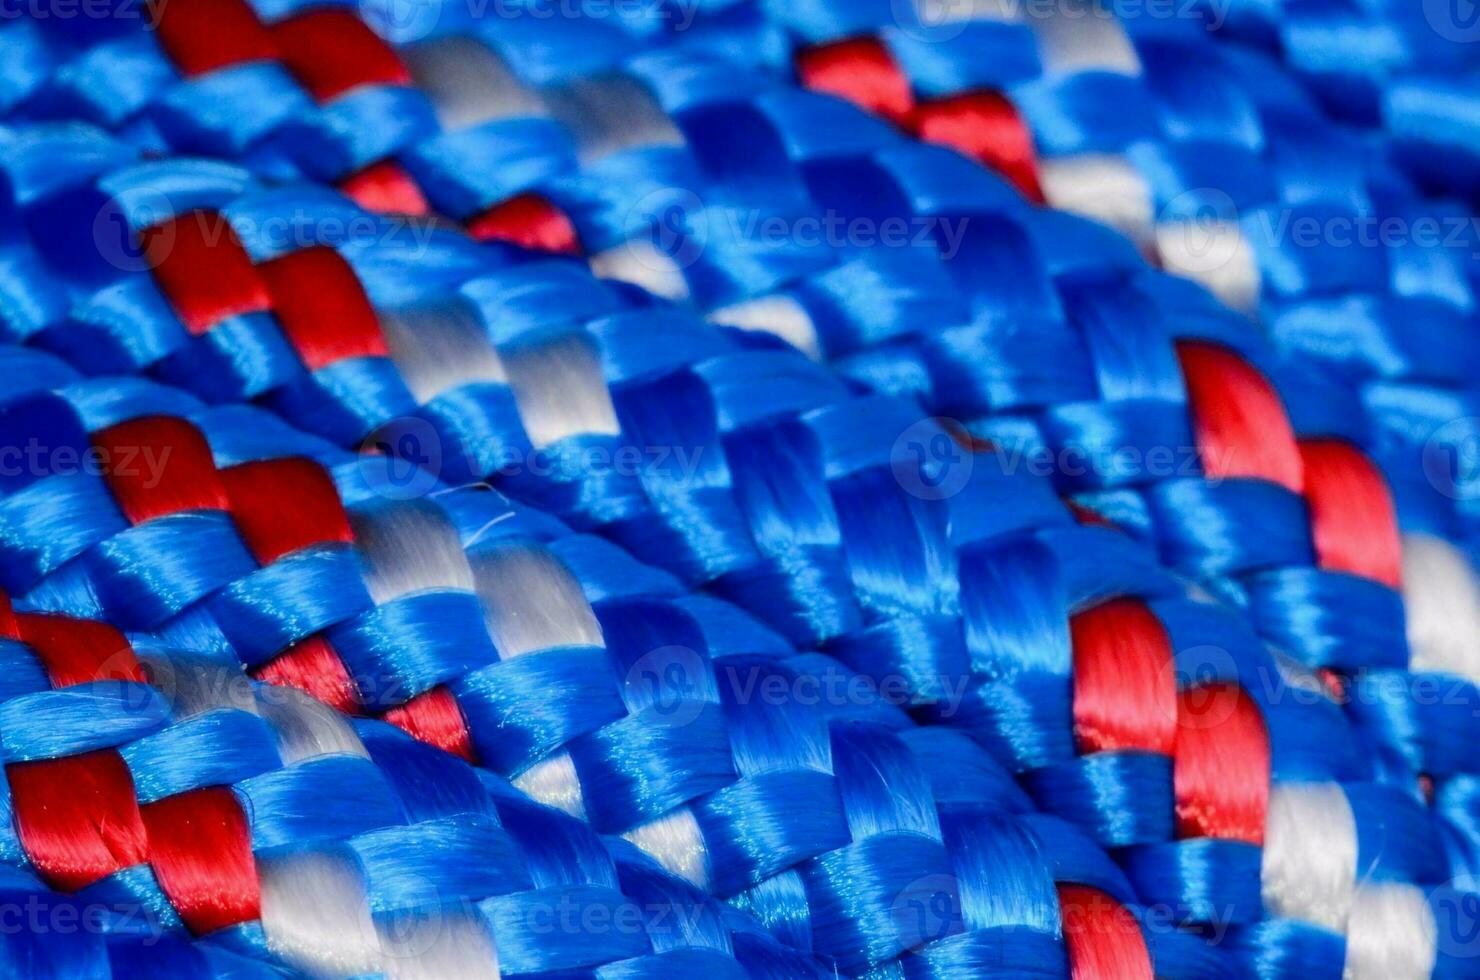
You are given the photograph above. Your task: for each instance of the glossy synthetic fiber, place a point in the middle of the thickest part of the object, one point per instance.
(1273, 810)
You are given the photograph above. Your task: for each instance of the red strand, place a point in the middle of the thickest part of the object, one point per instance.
(159, 465)
(986, 127)
(322, 307)
(333, 51)
(1353, 523)
(435, 718)
(202, 269)
(1242, 429)
(77, 651)
(1221, 766)
(282, 505)
(529, 221)
(200, 848)
(77, 817)
(8, 625)
(203, 35)
(1104, 939)
(385, 188)
(313, 667)
(862, 71)
(1125, 690)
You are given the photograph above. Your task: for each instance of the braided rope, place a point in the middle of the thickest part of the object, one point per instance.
(617, 746)
(1103, 764)
(212, 827)
(1338, 536)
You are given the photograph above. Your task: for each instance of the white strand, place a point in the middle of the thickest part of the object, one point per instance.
(1082, 36)
(316, 915)
(1214, 253)
(531, 601)
(1392, 935)
(1103, 187)
(468, 83)
(611, 113)
(1442, 595)
(779, 315)
(1310, 854)
(409, 547)
(560, 391)
(643, 264)
(553, 782)
(439, 944)
(194, 686)
(675, 841)
(440, 347)
(307, 728)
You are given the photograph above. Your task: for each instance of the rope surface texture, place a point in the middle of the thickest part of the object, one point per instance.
(719, 526)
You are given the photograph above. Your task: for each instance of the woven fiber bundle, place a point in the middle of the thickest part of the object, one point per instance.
(1125, 668)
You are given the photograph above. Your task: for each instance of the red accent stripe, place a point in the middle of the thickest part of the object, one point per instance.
(529, 221)
(1104, 939)
(202, 35)
(77, 817)
(1221, 766)
(434, 717)
(983, 125)
(1353, 522)
(385, 188)
(313, 667)
(862, 71)
(200, 847)
(322, 307)
(1087, 516)
(159, 465)
(203, 270)
(8, 625)
(986, 127)
(282, 505)
(77, 651)
(332, 51)
(1125, 690)
(1242, 429)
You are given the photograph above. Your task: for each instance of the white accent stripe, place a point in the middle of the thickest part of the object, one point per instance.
(1442, 596)
(409, 547)
(439, 348)
(468, 84)
(316, 915)
(611, 113)
(642, 264)
(1103, 187)
(553, 782)
(560, 391)
(307, 728)
(531, 601)
(1310, 854)
(1392, 935)
(779, 315)
(675, 841)
(439, 944)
